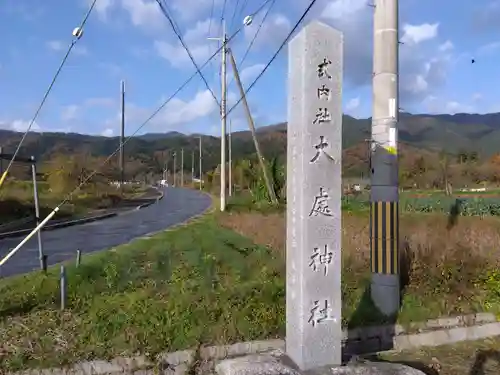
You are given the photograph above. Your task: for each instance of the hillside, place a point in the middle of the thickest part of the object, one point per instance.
(451, 133)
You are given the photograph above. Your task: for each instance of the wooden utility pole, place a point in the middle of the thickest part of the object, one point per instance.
(251, 124)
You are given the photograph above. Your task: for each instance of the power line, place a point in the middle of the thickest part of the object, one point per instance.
(234, 14)
(245, 3)
(70, 195)
(255, 36)
(77, 35)
(222, 13)
(177, 33)
(306, 11)
(210, 24)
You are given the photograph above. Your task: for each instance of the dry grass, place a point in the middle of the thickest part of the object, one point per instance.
(450, 271)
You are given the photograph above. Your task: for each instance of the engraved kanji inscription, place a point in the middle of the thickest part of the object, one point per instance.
(323, 69)
(320, 205)
(324, 92)
(320, 312)
(320, 149)
(321, 258)
(322, 115)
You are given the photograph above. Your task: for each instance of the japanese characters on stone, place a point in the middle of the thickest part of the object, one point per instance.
(321, 312)
(321, 257)
(323, 114)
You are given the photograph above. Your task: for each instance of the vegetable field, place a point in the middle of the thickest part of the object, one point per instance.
(463, 206)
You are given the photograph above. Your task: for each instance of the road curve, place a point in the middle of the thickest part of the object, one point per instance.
(60, 245)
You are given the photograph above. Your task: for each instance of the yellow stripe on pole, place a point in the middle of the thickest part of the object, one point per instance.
(391, 150)
(2, 179)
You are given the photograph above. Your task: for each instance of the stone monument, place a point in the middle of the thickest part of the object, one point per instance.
(314, 187)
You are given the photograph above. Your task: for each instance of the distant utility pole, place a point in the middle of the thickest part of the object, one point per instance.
(223, 39)
(230, 160)
(175, 168)
(165, 168)
(267, 181)
(122, 136)
(192, 167)
(201, 170)
(384, 196)
(182, 167)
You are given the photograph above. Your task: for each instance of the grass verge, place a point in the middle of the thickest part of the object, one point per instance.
(197, 284)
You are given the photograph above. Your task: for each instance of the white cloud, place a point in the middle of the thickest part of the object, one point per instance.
(434, 104)
(177, 56)
(108, 132)
(250, 73)
(190, 9)
(340, 9)
(102, 7)
(145, 14)
(446, 46)
(99, 102)
(488, 48)
(70, 112)
(272, 32)
(57, 45)
(199, 32)
(177, 114)
(19, 125)
(415, 34)
(352, 104)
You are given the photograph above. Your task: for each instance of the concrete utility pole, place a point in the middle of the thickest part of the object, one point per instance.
(175, 168)
(223, 118)
(192, 167)
(230, 160)
(384, 198)
(122, 135)
(182, 167)
(267, 181)
(201, 170)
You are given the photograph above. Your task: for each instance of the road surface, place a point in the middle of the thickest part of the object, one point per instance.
(60, 245)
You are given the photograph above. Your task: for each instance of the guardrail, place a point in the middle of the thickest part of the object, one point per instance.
(68, 223)
(16, 223)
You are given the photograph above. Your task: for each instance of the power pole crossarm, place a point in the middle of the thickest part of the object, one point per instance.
(267, 181)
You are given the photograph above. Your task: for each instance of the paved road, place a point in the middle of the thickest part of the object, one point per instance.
(60, 245)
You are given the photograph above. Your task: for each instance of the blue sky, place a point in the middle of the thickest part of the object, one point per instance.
(131, 40)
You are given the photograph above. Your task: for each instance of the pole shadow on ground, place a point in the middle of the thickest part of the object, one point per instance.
(481, 360)
(370, 331)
